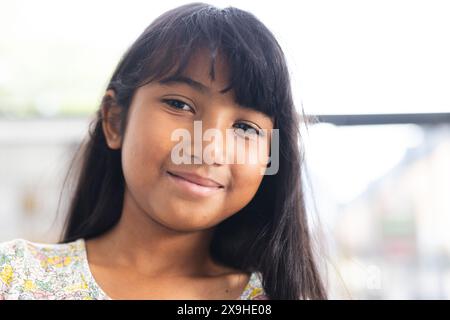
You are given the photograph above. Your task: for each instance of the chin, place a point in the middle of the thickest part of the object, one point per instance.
(187, 222)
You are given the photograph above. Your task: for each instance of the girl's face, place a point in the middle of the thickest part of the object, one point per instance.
(156, 111)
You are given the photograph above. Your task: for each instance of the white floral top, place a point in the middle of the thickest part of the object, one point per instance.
(30, 270)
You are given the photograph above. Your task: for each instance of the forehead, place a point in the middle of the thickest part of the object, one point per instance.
(211, 69)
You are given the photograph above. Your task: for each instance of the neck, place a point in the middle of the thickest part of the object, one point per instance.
(150, 248)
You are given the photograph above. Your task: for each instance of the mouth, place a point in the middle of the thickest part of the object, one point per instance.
(194, 185)
(195, 178)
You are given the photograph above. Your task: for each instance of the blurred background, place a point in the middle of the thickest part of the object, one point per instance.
(375, 76)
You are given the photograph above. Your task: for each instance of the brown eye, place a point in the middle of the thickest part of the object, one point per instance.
(248, 129)
(178, 104)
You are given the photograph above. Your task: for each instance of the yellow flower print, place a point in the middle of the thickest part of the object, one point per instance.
(67, 261)
(58, 261)
(79, 286)
(29, 285)
(51, 260)
(7, 274)
(85, 285)
(255, 292)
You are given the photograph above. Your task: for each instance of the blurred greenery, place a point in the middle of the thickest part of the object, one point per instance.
(56, 79)
(50, 66)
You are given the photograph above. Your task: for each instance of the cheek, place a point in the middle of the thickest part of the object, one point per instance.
(246, 181)
(146, 146)
(248, 175)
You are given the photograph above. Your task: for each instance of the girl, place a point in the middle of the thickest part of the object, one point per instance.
(140, 225)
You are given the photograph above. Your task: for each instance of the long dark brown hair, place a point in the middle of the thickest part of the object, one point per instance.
(270, 235)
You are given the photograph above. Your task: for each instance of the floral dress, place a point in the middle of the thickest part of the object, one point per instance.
(30, 271)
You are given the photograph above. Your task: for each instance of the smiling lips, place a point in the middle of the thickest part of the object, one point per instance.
(194, 178)
(194, 183)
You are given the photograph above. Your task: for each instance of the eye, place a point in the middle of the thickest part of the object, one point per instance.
(178, 104)
(248, 129)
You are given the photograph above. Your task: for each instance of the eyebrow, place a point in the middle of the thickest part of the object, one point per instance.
(198, 86)
(185, 80)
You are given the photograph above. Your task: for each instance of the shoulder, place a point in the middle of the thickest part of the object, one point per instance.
(11, 254)
(254, 290)
(19, 251)
(30, 269)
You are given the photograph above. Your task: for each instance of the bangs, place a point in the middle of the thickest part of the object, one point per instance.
(252, 55)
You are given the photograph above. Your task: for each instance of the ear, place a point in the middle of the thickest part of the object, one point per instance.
(111, 120)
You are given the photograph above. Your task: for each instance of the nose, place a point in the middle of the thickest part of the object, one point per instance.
(210, 142)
